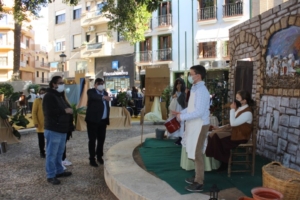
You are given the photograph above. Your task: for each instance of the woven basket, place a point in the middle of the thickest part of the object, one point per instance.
(282, 179)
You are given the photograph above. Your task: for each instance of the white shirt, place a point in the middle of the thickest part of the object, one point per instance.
(246, 117)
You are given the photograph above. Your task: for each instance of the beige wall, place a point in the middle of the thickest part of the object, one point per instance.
(260, 6)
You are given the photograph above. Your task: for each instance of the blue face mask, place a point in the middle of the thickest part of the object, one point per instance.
(190, 79)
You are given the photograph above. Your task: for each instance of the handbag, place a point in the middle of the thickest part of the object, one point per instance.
(172, 125)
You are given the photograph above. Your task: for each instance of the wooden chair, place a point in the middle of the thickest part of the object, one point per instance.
(226, 114)
(246, 151)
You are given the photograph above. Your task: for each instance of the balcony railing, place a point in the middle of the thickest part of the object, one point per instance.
(42, 80)
(207, 13)
(93, 14)
(45, 65)
(164, 54)
(208, 51)
(23, 64)
(233, 9)
(94, 46)
(145, 56)
(164, 20)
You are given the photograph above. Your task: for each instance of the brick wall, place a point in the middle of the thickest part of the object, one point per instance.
(277, 118)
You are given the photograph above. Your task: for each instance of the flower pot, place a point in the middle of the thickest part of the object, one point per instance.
(1, 97)
(261, 193)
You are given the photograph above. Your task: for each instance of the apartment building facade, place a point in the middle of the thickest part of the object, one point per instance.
(81, 33)
(42, 66)
(26, 71)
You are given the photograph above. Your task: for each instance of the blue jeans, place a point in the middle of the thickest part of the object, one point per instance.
(56, 143)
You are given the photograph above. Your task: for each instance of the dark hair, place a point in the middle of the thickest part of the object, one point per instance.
(246, 95)
(42, 89)
(199, 69)
(54, 80)
(98, 80)
(182, 88)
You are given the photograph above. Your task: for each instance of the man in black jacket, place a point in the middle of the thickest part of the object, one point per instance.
(97, 118)
(57, 114)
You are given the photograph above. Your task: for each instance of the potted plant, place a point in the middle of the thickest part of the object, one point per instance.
(166, 96)
(77, 111)
(5, 90)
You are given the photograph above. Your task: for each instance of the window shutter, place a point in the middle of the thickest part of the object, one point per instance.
(169, 42)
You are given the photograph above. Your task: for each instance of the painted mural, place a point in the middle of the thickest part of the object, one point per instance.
(283, 59)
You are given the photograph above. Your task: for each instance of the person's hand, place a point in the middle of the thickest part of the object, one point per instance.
(174, 96)
(106, 98)
(174, 112)
(69, 110)
(214, 127)
(178, 117)
(233, 106)
(36, 125)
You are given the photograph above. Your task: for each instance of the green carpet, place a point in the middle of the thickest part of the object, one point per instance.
(162, 157)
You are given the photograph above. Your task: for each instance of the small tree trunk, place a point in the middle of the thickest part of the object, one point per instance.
(17, 47)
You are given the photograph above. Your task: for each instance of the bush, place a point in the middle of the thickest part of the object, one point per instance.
(34, 86)
(6, 89)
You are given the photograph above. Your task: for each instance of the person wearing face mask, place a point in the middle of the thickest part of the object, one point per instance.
(97, 119)
(222, 139)
(196, 117)
(38, 120)
(31, 97)
(57, 116)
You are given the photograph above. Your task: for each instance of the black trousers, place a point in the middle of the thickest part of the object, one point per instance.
(96, 132)
(41, 142)
(65, 152)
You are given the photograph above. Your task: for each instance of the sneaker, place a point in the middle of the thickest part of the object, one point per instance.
(64, 174)
(195, 187)
(53, 181)
(93, 163)
(66, 162)
(63, 166)
(178, 141)
(42, 155)
(190, 180)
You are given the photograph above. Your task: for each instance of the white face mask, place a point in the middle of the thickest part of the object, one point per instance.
(100, 87)
(190, 79)
(60, 88)
(42, 96)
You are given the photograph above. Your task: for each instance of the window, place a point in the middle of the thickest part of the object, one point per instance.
(60, 17)
(3, 20)
(60, 46)
(207, 50)
(81, 65)
(27, 43)
(37, 58)
(76, 41)
(165, 42)
(3, 39)
(88, 6)
(43, 61)
(165, 51)
(100, 38)
(37, 74)
(87, 37)
(77, 13)
(121, 38)
(3, 60)
(146, 50)
(225, 52)
(100, 7)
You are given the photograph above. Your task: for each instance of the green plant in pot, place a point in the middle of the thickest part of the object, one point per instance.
(166, 96)
(77, 111)
(122, 99)
(6, 89)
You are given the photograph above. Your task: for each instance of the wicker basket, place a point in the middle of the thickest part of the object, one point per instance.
(282, 179)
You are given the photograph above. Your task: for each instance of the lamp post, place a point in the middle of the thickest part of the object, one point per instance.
(62, 61)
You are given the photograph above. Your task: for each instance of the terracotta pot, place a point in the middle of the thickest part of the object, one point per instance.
(261, 193)
(245, 198)
(1, 97)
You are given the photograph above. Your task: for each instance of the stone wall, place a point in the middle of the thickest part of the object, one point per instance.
(277, 118)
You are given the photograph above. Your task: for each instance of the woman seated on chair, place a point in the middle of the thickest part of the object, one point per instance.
(222, 139)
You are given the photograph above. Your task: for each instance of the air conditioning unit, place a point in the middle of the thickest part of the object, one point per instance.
(91, 28)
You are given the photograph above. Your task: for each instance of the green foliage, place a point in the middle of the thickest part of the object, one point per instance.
(19, 119)
(6, 89)
(36, 88)
(298, 70)
(77, 111)
(14, 96)
(122, 99)
(4, 112)
(130, 17)
(166, 96)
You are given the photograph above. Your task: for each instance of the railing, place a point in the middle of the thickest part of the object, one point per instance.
(22, 64)
(207, 51)
(45, 65)
(164, 20)
(42, 80)
(93, 14)
(94, 46)
(164, 54)
(233, 9)
(207, 13)
(150, 24)
(145, 56)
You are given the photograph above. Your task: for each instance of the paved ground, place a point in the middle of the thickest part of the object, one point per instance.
(22, 173)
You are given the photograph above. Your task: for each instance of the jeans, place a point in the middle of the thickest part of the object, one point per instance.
(56, 143)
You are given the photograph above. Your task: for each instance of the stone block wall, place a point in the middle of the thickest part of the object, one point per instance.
(277, 118)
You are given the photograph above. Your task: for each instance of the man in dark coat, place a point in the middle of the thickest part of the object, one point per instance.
(97, 119)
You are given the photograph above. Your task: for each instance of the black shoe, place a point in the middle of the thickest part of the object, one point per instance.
(54, 181)
(93, 163)
(190, 180)
(178, 141)
(64, 174)
(195, 187)
(100, 161)
(42, 155)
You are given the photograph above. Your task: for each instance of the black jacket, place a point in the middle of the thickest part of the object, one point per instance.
(95, 107)
(56, 118)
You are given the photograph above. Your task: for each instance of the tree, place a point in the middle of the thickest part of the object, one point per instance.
(130, 17)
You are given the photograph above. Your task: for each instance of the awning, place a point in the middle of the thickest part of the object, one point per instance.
(211, 35)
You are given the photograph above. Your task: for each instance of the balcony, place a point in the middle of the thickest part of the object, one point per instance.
(23, 45)
(206, 50)
(207, 15)
(42, 65)
(6, 67)
(23, 64)
(42, 81)
(164, 54)
(163, 22)
(143, 57)
(232, 11)
(94, 46)
(93, 18)
(6, 45)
